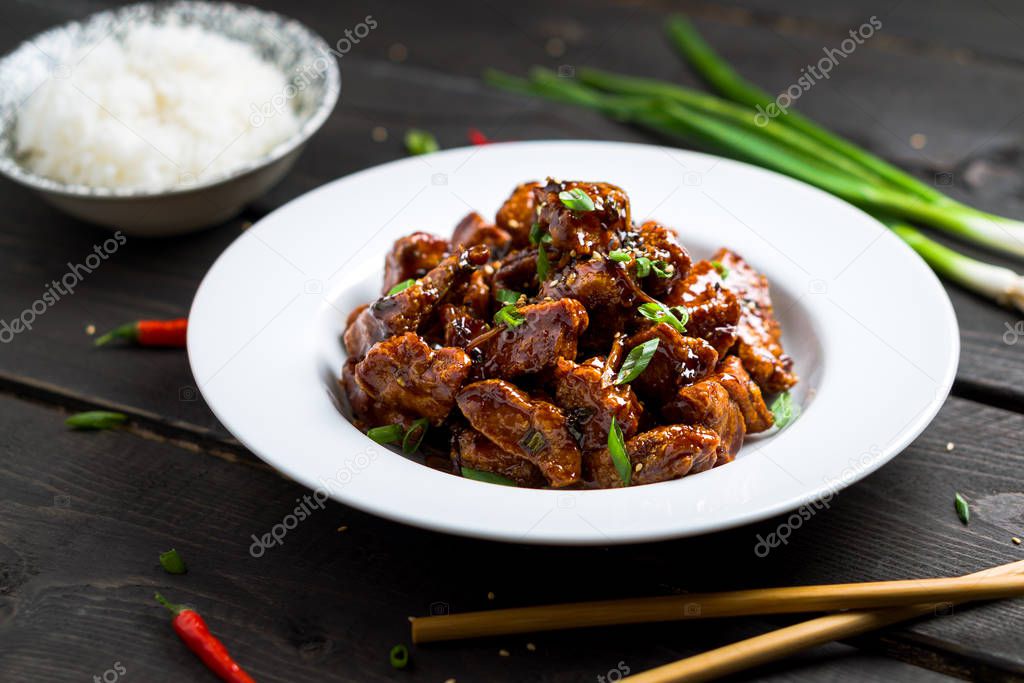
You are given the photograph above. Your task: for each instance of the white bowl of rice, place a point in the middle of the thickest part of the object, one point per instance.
(163, 118)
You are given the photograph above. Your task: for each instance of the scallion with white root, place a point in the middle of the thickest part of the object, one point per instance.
(795, 146)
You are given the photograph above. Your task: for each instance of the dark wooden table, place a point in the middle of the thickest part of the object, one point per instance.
(83, 516)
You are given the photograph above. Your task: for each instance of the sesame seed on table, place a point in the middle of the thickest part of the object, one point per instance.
(84, 516)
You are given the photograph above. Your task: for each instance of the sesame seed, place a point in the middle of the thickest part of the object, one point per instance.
(918, 140)
(490, 595)
(504, 653)
(90, 329)
(555, 47)
(950, 446)
(343, 527)
(398, 52)
(531, 647)
(1016, 540)
(379, 134)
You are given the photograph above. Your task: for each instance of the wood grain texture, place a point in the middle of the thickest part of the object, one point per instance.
(83, 516)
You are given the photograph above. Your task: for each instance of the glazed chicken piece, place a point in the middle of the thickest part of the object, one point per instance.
(404, 372)
(679, 360)
(517, 215)
(460, 325)
(583, 232)
(411, 257)
(661, 454)
(760, 337)
(408, 309)
(714, 310)
(472, 449)
(517, 272)
(534, 430)
(473, 230)
(590, 400)
(708, 404)
(605, 290)
(549, 331)
(659, 243)
(366, 412)
(731, 374)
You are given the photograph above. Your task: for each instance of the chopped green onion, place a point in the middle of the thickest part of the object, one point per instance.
(662, 269)
(637, 360)
(676, 317)
(538, 236)
(172, 563)
(509, 316)
(386, 434)
(619, 255)
(420, 142)
(489, 477)
(543, 265)
(401, 286)
(419, 429)
(784, 410)
(399, 656)
(507, 296)
(723, 272)
(963, 510)
(643, 266)
(96, 419)
(576, 199)
(617, 450)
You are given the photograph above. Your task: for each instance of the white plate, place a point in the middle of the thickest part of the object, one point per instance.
(871, 331)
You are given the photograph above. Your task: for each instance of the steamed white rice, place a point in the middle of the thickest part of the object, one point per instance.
(165, 106)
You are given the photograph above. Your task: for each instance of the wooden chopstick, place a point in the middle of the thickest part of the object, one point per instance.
(791, 639)
(710, 605)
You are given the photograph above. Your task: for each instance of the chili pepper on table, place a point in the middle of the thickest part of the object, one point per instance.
(169, 333)
(191, 628)
(476, 137)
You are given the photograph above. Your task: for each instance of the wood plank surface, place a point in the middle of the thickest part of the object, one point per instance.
(84, 515)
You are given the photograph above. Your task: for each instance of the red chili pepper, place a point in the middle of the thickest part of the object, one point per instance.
(150, 333)
(191, 628)
(477, 138)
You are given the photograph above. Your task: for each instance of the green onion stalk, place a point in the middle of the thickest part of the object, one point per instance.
(994, 282)
(675, 119)
(990, 230)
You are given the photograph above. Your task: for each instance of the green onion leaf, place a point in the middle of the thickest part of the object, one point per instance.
(420, 142)
(489, 477)
(643, 266)
(387, 434)
(576, 199)
(662, 269)
(507, 296)
(723, 272)
(96, 419)
(419, 430)
(617, 450)
(399, 656)
(784, 410)
(543, 265)
(963, 511)
(536, 233)
(619, 255)
(401, 286)
(533, 442)
(676, 317)
(172, 563)
(509, 316)
(637, 360)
